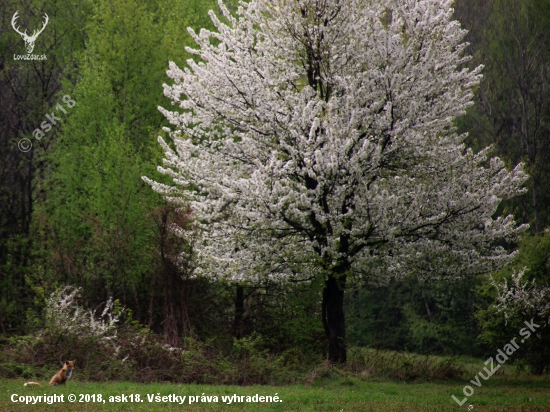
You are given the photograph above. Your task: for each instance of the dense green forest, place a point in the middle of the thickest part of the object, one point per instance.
(83, 237)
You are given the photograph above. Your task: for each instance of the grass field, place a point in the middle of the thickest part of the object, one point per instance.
(497, 394)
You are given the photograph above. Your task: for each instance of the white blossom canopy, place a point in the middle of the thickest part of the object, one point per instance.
(317, 136)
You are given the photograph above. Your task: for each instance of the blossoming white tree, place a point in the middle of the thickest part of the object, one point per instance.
(316, 139)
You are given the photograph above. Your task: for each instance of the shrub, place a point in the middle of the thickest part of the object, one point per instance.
(518, 294)
(108, 345)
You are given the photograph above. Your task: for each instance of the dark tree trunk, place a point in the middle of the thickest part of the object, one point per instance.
(152, 294)
(239, 311)
(173, 277)
(333, 318)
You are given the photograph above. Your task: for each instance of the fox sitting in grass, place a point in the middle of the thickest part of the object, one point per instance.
(60, 378)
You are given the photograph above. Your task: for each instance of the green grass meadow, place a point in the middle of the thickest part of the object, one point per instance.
(497, 394)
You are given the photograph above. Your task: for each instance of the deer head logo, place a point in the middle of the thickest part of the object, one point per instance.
(29, 40)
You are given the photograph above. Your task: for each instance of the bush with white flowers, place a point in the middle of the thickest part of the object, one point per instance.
(521, 297)
(65, 316)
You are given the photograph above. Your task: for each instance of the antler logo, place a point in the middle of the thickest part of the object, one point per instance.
(29, 40)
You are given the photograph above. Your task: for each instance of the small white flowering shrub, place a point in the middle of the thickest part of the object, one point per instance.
(522, 302)
(65, 316)
(522, 297)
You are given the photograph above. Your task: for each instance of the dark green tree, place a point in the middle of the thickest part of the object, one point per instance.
(512, 110)
(29, 91)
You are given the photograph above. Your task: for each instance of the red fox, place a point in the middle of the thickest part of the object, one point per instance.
(60, 378)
